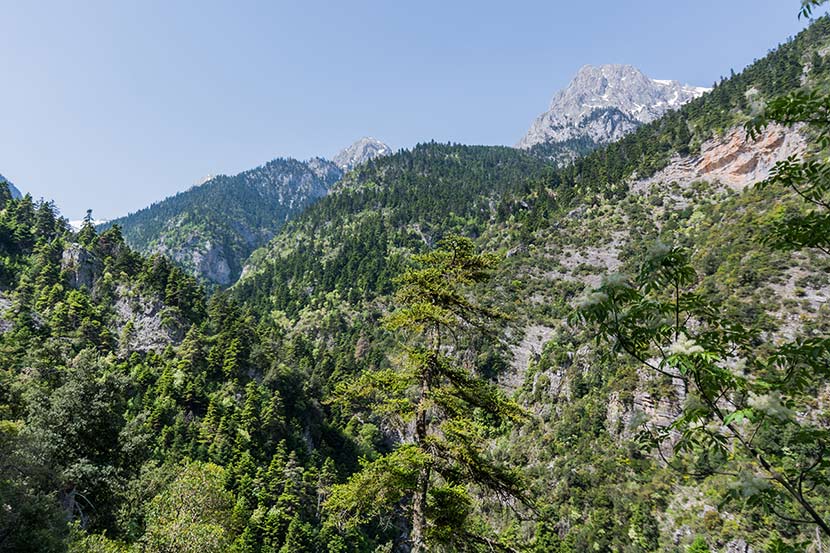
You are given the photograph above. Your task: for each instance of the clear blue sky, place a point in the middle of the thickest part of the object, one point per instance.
(112, 105)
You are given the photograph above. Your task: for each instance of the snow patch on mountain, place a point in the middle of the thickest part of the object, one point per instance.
(603, 103)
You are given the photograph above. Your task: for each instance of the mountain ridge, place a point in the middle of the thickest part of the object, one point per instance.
(210, 228)
(15, 192)
(603, 103)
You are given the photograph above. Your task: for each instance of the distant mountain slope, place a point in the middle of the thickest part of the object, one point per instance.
(352, 241)
(602, 104)
(406, 201)
(211, 228)
(363, 150)
(12, 188)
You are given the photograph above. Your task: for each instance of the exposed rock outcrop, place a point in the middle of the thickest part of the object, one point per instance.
(143, 323)
(204, 257)
(734, 159)
(360, 152)
(6, 318)
(527, 351)
(81, 266)
(603, 103)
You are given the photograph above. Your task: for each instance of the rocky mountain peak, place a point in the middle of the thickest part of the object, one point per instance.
(604, 102)
(360, 152)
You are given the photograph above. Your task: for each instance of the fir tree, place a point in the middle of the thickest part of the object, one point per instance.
(451, 409)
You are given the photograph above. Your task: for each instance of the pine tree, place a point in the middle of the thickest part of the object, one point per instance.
(452, 409)
(299, 538)
(87, 234)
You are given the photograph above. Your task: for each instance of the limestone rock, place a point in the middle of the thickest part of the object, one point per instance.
(734, 159)
(6, 317)
(360, 152)
(603, 103)
(81, 266)
(144, 323)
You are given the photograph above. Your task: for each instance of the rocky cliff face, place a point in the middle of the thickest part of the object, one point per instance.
(203, 257)
(81, 266)
(603, 103)
(732, 160)
(360, 152)
(727, 167)
(141, 319)
(143, 323)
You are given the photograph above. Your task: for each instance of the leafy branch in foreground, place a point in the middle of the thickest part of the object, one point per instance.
(445, 411)
(747, 411)
(807, 7)
(807, 176)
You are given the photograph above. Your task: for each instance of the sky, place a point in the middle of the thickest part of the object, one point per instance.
(111, 106)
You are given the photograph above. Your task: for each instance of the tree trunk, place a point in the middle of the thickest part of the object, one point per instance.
(419, 515)
(419, 500)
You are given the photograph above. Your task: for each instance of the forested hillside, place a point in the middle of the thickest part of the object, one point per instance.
(135, 406)
(459, 348)
(210, 229)
(561, 231)
(352, 241)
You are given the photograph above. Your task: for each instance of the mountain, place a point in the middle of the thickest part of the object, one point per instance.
(684, 178)
(351, 242)
(143, 412)
(12, 188)
(602, 104)
(211, 228)
(363, 150)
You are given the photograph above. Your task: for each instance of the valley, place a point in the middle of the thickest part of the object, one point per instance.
(612, 337)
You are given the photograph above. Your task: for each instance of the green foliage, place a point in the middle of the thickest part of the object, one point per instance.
(737, 420)
(309, 409)
(192, 514)
(228, 217)
(699, 546)
(809, 178)
(345, 243)
(452, 409)
(377, 488)
(94, 428)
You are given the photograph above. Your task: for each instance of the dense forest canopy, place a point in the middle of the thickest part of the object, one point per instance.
(210, 229)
